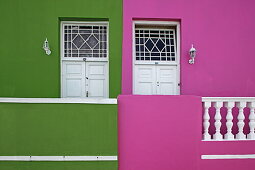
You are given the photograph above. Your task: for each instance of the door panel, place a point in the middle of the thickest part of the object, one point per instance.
(155, 79)
(73, 79)
(166, 80)
(144, 80)
(96, 79)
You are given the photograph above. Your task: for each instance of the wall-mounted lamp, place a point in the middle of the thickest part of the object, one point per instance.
(192, 53)
(46, 47)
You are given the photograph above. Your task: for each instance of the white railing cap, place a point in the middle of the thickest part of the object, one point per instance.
(227, 99)
(58, 100)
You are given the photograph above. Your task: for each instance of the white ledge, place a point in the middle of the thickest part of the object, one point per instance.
(250, 156)
(227, 99)
(58, 158)
(58, 100)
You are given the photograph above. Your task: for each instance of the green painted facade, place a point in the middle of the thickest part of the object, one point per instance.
(58, 130)
(109, 165)
(25, 69)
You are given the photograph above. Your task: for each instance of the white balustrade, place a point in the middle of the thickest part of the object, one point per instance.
(206, 123)
(240, 124)
(217, 124)
(229, 135)
(251, 135)
(229, 103)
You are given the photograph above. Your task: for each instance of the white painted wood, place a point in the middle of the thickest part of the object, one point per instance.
(251, 135)
(229, 135)
(166, 80)
(14, 158)
(58, 158)
(155, 79)
(171, 63)
(58, 100)
(206, 123)
(46, 158)
(217, 124)
(249, 156)
(145, 79)
(240, 123)
(227, 99)
(75, 82)
(97, 79)
(73, 76)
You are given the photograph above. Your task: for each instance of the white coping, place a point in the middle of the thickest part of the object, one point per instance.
(58, 100)
(58, 158)
(249, 156)
(226, 99)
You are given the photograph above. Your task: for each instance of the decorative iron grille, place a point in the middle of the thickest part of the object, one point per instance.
(155, 44)
(85, 40)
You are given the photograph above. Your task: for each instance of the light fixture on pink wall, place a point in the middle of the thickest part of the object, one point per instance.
(192, 53)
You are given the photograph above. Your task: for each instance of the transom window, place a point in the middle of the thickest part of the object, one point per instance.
(155, 44)
(88, 40)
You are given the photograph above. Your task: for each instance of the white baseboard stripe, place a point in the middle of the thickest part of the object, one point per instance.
(58, 158)
(250, 156)
(58, 100)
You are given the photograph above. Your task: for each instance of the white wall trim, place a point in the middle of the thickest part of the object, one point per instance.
(250, 156)
(59, 100)
(227, 99)
(58, 158)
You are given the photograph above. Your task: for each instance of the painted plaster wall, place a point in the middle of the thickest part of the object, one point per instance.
(155, 133)
(230, 147)
(164, 132)
(25, 69)
(223, 34)
(58, 130)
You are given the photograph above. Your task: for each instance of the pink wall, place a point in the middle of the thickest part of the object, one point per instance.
(223, 34)
(164, 133)
(155, 133)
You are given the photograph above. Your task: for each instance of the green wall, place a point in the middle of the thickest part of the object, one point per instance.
(109, 165)
(25, 69)
(58, 130)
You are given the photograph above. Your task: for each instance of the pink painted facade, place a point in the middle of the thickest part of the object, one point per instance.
(164, 132)
(223, 34)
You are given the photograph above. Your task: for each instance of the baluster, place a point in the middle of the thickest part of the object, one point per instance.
(206, 123)
(251, 135)
(229, 135)
(217, 117)
(240, 123)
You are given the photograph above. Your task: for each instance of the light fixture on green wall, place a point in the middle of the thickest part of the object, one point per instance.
(46, 47)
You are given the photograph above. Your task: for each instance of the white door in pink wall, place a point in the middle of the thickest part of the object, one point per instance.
(156, 58)
(155, 79)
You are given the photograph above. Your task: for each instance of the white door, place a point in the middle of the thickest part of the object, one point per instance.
(73, 77)
(145, 79)
(156, 62)
(166, 80)
(96, 79)
(155, 79)
(85, 79)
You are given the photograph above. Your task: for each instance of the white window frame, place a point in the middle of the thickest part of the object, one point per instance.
(88, 59)
(170, 63)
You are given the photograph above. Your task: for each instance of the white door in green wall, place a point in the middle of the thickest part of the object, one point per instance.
(84, 60)
(156, 68)
(84, 79)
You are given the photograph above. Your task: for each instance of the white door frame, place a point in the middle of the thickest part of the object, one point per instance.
(176, 63)
(91, 59)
